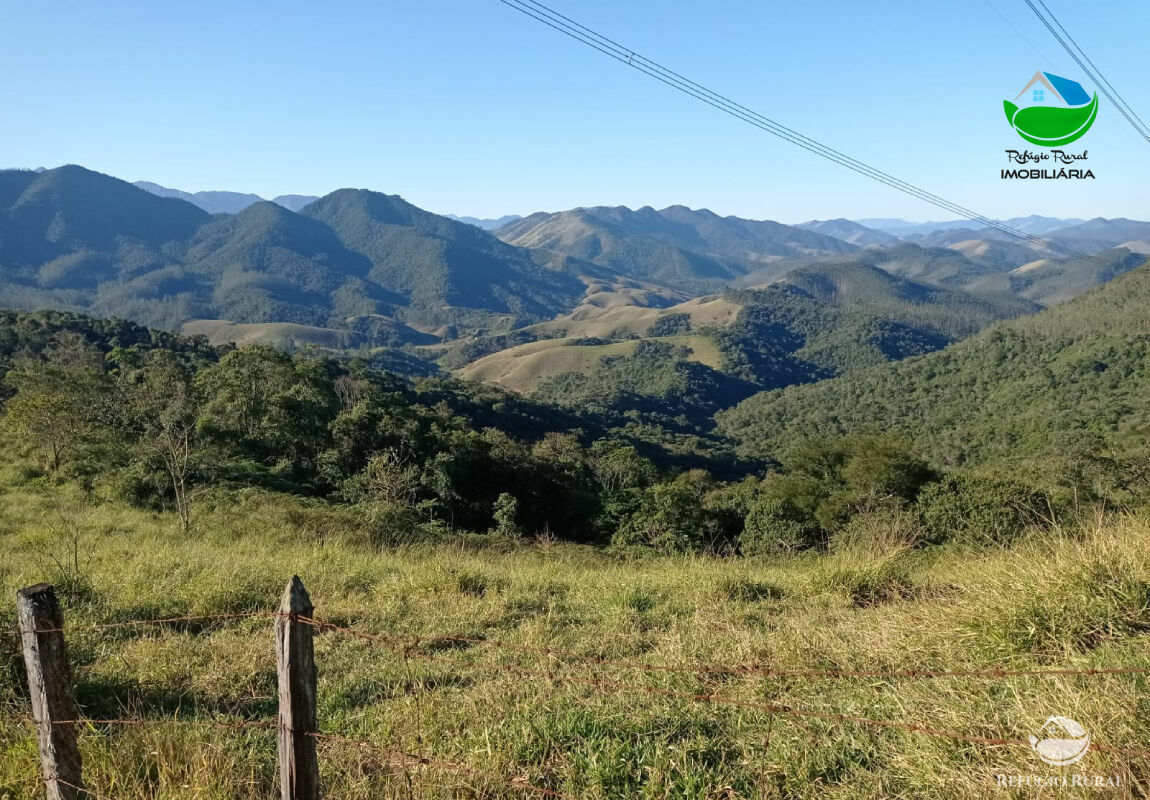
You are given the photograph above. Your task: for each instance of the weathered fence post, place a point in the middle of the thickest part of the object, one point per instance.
(295, 663)
(50, 687)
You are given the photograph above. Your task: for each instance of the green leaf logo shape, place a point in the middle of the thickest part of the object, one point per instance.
(1048, 126)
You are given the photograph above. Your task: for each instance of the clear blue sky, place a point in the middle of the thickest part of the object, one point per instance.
(468, 107)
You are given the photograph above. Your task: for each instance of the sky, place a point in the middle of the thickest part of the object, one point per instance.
(469, 107)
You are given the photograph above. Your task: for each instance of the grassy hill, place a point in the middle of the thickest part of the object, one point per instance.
(522, 368)
(1007, 395)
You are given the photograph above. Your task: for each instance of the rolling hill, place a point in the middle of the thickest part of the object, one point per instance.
(1005, 395)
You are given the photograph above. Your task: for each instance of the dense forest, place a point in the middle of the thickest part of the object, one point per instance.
(158, 419)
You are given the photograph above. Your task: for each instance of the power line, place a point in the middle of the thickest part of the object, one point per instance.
(625, 55)
(1021, 35)
(1092, 71)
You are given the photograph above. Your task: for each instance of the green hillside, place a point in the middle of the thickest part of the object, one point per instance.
(1009, 395)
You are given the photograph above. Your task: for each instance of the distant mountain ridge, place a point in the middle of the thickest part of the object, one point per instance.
(1033, 224)
(225, 202)
(487, 224)
(677, 246)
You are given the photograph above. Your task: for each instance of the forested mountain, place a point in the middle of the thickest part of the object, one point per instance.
(678, 247)
(673, 368)
(546, 298)
(862, 285)
(434, 261)
(1012, 394)
(78, 240)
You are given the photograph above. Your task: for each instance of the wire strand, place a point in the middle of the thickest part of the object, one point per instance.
(609, 47)
(411, 642)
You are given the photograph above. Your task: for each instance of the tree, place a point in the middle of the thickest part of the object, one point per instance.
(506, 516)
(166, 410)
(57, 406)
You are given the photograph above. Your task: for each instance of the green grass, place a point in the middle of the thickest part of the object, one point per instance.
(1071, 598)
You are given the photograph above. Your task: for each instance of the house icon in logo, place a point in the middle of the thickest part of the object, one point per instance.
(1047, 89)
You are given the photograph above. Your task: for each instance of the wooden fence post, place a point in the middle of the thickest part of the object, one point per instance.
(295, 664)
(50, 687)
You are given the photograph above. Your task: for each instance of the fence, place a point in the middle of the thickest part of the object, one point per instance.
(57, 718)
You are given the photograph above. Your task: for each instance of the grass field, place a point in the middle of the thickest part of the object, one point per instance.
(1077, 597)
(522, 368)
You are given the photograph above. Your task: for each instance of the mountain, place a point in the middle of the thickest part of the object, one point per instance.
(487, 224)
(212, 202)
(676, 246)
(434, 261)
(1100, 234)
(850, 232)
(1006, 395)
(816, 322)
(74, 213)
(900, 227)
(294, 202)
(225, 202)
(358, 261)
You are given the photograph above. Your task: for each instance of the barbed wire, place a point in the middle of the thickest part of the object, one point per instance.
(910, 673)
(410, 646)
(704, 669)
(102, 626)
(716, 699)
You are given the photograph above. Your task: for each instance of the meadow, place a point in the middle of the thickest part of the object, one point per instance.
(1076, 596)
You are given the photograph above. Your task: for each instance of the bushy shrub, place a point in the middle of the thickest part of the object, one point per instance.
(975, 510)
(774, 527)
(670, 517)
